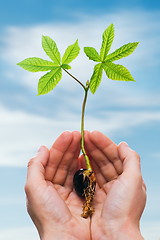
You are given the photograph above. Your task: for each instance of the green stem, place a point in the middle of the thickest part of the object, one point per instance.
(86, 88)
(88, 165)
(74, 78)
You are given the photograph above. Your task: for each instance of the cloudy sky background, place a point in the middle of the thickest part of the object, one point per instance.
(124, 111)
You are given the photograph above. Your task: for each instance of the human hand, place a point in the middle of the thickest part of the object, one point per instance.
(120, 194)
(52, 204)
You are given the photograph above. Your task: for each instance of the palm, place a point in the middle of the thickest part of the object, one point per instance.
(109, 202)
(119, 182)
(65, 201)
(62, 202)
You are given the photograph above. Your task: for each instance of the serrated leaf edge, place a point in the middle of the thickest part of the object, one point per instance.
(100, 70)
(106, 44)
(54, 73)
(72, 46)
(50, 65)
(112, 57)
(97, 56)
(58, 59)
(120, 72)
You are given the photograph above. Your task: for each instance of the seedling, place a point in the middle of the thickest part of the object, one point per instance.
(84, 179)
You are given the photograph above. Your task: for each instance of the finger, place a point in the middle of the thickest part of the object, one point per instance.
(68, 183)
(108, 148)
(100, 177)
(68, 164)
(100, 162)
(36, 167)
(131, 161)
(56, 154)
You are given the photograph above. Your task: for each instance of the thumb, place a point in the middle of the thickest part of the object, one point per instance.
(130, 159)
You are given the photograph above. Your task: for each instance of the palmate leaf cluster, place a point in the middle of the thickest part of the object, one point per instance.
(104, 61)
(49, 81)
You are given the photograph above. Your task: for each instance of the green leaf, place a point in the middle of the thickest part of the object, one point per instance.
(49, 81)
(71, 53)
(96, 77)
(65, 66)
(92, 54)
(51, 49)
(35, 64)
(117, 72)
(121, 52)
(107, 39)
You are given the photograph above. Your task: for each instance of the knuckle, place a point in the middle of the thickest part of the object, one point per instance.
(136, 155)
(27, 188)
(144, 185)
(139, 180)
(31, 161)
(139, 177)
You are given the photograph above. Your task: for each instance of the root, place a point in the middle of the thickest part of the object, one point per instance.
(89, 192)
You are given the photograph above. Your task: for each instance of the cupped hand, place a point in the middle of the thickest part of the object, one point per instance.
(120, 194)
(52, 204)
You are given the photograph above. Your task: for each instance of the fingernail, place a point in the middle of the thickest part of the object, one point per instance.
(124, 144)
(41, 149)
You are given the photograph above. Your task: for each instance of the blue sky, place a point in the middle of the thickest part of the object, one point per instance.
(123, 111)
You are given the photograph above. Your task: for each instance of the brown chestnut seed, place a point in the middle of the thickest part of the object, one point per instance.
(84, 183)
(80, 183)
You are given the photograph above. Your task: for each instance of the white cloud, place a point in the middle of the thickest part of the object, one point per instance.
(26, 41)
(151, 230)
(156, 155)
(23, 42)
(19, 233)
(11, 200)
(22, 133)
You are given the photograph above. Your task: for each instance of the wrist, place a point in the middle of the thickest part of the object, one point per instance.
(59, 231)
(57, 236)
(55, 233)
(126, 234)
(121, 232)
